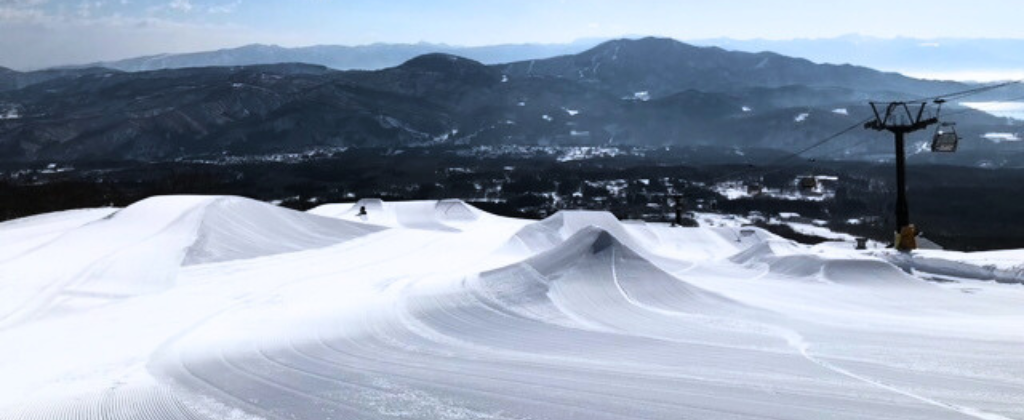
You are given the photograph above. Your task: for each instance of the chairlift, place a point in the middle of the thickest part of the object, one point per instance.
(946, 138)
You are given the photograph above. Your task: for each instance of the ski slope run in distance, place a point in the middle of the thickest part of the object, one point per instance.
(184, 307)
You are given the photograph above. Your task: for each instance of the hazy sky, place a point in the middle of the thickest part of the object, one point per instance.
(39, 33)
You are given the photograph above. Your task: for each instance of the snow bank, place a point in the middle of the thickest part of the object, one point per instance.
(824, 264)
(998, 266)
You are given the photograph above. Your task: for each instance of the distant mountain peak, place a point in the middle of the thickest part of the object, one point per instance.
(650, 40)
(341, 57)
(645, 44)
(451, 66)
(441, 62)
(257, 47)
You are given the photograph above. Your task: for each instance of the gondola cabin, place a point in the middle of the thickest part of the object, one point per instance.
(808, 183)
(946, 140)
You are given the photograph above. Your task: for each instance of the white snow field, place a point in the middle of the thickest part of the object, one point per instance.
(226, 308)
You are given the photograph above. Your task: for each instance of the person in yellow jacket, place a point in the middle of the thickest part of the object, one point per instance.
(906, 239)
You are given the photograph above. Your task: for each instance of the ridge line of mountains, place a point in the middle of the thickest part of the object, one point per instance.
(632, 92)
(957, 58)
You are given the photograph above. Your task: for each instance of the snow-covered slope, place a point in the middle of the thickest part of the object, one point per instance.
(219, 307)
(66, 259)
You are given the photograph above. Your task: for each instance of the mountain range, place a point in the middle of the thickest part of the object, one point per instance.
(942, 58)
(341, 57)
(959, 58)
(644, 92)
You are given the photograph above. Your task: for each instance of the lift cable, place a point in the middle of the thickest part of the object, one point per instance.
(965, 93)
(860, 124)
(969, 109)
(822, 142)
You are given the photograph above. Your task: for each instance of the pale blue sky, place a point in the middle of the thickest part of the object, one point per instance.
(36, 33)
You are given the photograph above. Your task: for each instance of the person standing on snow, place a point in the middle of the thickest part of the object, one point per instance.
(907, 238)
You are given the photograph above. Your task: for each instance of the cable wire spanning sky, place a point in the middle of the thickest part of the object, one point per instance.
(40, 33)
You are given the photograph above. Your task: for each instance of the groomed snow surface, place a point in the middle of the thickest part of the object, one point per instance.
(228, 308)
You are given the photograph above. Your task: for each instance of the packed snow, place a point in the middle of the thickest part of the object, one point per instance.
(1001, 137)
(184, 307)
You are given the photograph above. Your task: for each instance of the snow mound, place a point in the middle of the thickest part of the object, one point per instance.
(837, 266)
(140, 249)
(233, 228)
(594, 257)
(867, 272)
(443, 215)
(781, 257)
(456, 211)
(594, 280)
(546, 234)
(694, 244)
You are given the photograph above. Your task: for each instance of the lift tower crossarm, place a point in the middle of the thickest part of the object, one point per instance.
(890, 120)
(899, 119)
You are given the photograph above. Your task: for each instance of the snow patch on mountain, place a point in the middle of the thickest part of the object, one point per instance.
(1001, 137)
